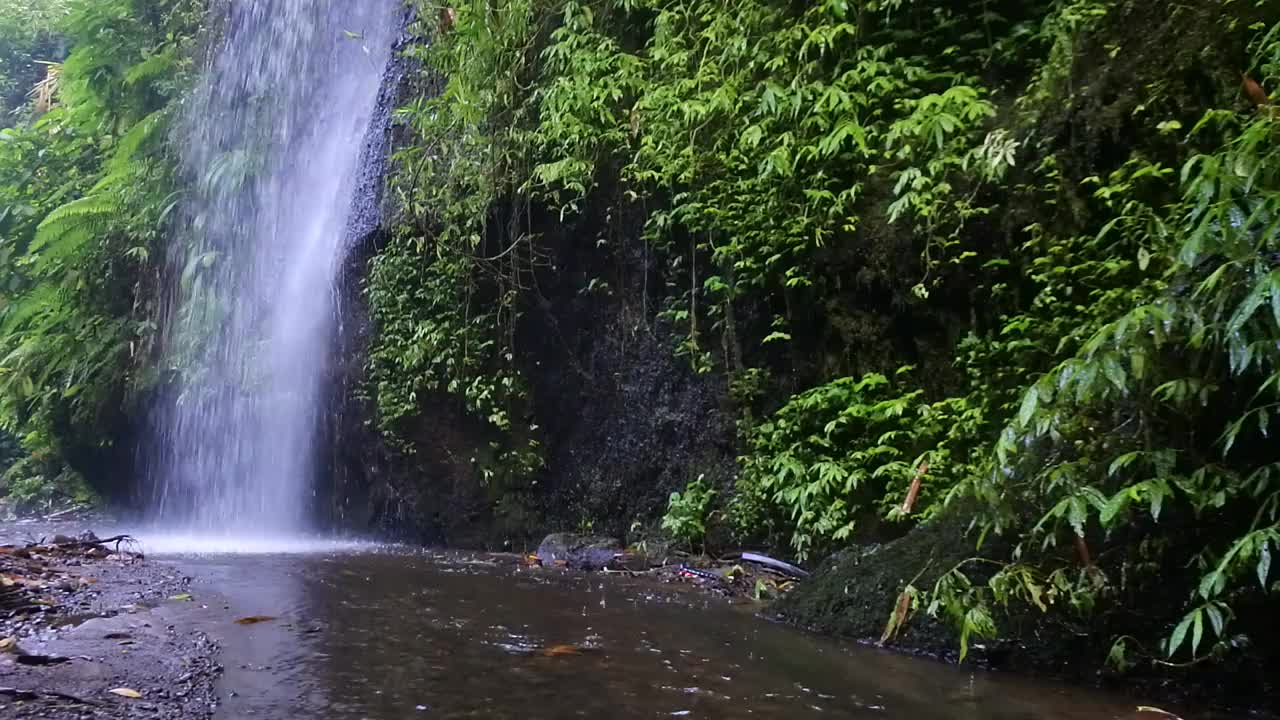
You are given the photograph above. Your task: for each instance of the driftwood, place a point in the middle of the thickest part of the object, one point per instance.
(95, 542)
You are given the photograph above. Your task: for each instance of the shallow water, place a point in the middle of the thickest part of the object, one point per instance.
(394, 633)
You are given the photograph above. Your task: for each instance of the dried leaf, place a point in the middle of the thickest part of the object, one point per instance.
(561, 651)
(1157, 711)
(898, 617)
(126, 692)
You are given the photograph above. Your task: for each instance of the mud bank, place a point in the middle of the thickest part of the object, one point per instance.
(98, 637)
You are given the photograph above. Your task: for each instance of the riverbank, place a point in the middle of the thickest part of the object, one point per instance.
(853, 594)
(87, 632)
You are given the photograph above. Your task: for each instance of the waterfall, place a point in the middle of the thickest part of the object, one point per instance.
(272, 144)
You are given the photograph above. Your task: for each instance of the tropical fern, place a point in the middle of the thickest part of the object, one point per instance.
(68, 228)
(159, 65)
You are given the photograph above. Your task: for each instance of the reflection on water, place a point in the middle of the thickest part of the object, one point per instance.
(395, 634)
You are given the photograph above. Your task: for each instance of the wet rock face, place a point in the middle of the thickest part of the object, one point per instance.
(586, 552)
(625, 422)
(621, 420)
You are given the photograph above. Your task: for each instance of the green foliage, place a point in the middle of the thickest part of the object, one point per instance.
(442, 295)
(830, 455)
(1157, 416)
(689, 512)
(84, 193)
(1116, 379)
(29, 36)
(752, 161)
(763, 153)
(38, 483)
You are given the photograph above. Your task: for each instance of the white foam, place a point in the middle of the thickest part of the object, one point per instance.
(168, 543)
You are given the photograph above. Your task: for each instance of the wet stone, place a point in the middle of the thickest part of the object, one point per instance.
(585, 552)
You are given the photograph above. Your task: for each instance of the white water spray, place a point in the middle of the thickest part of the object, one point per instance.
(273, 142)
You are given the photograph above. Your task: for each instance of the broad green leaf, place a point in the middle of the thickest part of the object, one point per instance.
(1028, 409)
(1180, 633)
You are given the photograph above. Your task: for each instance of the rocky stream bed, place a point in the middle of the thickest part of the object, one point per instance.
(84, 634)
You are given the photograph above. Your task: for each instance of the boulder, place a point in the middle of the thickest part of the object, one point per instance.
(584, 552)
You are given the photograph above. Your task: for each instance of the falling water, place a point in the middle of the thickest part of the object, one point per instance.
(273, 145)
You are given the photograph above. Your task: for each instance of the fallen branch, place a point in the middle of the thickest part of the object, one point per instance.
(98, 543)
(29, 695)
(69, 511)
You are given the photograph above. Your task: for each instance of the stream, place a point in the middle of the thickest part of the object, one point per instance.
(376, 633)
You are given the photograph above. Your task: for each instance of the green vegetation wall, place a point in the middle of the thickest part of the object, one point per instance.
(87, 187)
(1011, 260)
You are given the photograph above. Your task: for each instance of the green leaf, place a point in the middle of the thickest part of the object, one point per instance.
(1275, 296)
(1264, 563)
(1197, 631)
(1216, 618)
(1114, 372)
(1029, 401)
(1249, 307)
(1121, 462)
(1179, 634)
(1157, 502)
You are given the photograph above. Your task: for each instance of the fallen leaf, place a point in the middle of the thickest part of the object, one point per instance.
(561, 651)
(1157, 711)
(183, 596)
(126, 692)
(8, 644)
(254, 620)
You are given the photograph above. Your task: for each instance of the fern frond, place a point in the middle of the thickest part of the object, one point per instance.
(68, 227)
(128, 146)
(24, 308)
(155, 66)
